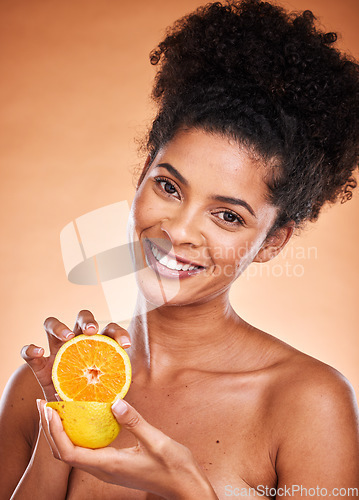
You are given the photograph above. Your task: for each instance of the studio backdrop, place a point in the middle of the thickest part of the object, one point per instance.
(75, 106)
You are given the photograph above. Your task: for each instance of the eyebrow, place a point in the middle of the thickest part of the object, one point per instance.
(223, 199)
(235, 201)
(174, 171)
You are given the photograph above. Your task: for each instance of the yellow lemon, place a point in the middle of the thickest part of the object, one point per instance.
(87, 423)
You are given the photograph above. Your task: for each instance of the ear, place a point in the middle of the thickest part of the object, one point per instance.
(274, 243)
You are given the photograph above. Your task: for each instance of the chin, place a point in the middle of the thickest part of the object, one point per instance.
(156, 290)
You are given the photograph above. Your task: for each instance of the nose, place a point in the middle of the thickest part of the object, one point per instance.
(183, 228)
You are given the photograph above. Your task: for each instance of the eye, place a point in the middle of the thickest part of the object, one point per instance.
(230, 218)
(167, 186)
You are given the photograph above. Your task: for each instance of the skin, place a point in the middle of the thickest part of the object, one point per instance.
(215, 403)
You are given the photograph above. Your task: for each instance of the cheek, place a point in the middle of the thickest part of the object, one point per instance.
(234, 254)
(143, 210)
(226, 258)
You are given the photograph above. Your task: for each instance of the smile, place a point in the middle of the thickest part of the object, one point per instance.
(169, 266)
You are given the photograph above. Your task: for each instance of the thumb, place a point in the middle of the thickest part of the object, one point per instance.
(131, 420)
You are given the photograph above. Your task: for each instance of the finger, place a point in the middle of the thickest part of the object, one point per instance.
(41, 405)
(41, 367)
(118, 333)
(57, 333)
(86, 323)
(34, 356)
(61, 444)
(129, 418)
(32, 352)
(98, 462)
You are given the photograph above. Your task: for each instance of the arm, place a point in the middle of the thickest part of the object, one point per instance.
(45, 477)
(18, 435)
(25, 456)
(320, 444)
(157, 464)
(19, 429)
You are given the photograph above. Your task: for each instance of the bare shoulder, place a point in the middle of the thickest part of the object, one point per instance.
(19, 422)
(316, 421)
(18, 410)
(304, 383)
(21, 391)
(291, 379)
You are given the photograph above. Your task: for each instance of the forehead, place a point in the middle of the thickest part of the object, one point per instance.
(217, 163)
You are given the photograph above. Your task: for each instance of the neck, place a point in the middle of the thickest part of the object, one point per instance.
(171, 339)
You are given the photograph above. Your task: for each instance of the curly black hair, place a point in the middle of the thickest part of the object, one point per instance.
(273, 81)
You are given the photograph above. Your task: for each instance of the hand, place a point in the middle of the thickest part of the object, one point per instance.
(157, 464)
(57, 335)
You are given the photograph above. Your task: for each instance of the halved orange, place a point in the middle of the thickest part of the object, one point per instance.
(91, 368)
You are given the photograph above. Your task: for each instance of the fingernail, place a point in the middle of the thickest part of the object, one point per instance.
(125, 342)
(48, 413)
(69, 334)
(91, 327)
(119, 407)
(38, 350)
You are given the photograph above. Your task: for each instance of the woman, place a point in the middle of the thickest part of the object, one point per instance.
(257, 128)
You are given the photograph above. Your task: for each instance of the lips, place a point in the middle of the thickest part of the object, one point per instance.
(168, 264)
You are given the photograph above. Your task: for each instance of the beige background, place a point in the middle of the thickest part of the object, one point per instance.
(74, 94)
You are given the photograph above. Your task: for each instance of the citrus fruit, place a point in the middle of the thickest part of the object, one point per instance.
(91, 368)
(88, 424)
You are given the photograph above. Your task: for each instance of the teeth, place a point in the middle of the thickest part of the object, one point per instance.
(154, 251)
(170, 263)
(163, 260)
